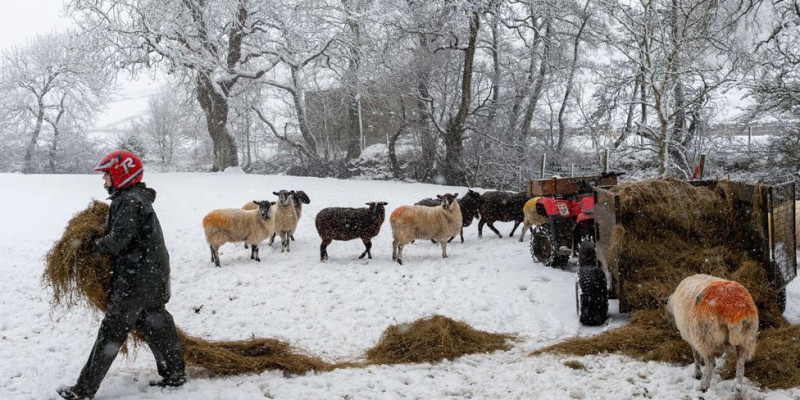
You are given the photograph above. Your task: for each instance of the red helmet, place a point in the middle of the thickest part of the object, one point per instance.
(124, 167)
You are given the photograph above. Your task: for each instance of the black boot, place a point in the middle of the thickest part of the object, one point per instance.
(73, 393)
(171, 381)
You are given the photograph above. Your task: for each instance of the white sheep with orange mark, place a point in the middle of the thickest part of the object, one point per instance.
(439, 223)
(235, 225)
(713, 314)
(531, 217)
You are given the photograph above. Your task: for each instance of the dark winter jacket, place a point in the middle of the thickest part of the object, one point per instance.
(133, 239)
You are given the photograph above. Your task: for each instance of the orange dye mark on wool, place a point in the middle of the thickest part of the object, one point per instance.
(396, 213)
(215, 219)
(728, 300)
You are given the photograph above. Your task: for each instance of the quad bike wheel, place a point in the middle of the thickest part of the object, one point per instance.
(591, 296)
(542, 249)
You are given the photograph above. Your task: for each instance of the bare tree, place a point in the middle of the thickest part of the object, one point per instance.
(212, 43)
(51, 77)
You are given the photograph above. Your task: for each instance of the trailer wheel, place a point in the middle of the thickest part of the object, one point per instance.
(542, 248)
(591, 296)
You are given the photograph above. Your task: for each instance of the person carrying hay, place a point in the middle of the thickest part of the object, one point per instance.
(139, 280)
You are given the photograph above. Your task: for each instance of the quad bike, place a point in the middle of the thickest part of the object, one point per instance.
(568, 206)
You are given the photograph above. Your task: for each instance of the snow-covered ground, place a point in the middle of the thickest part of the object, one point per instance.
(334, 310)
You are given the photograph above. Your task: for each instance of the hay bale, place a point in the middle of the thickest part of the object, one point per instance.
(71, 271)
(78, 277)
(433, 339)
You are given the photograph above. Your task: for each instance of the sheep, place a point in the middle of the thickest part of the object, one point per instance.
(233, 225)
(300, 198)
(501, 206)
(712, 314)
(285, 215)
(420, 222)
(469, 203)
(531, 217)
(339, 223)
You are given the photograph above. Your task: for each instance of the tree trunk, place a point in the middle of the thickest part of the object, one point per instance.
(570, 81)
(298, 97)
(215, 107)
(37, 129)
(539, 87)
(428, 137)
(453, 170)
(354, 132)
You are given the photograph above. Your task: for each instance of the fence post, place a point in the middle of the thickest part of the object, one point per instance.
(702, 166)
(749, 136)
(605, 160)
(572, 171)
(544, 158)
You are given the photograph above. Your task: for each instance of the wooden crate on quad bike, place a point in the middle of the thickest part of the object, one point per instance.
(773, 244)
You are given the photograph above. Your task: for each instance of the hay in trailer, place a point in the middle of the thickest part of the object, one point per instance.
(433, 339)
(78, 277)
(668, 230)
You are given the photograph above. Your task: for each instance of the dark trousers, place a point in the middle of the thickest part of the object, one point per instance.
(157, 329)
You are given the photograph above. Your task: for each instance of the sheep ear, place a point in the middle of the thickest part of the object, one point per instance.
(438, 196)
(256, 201)
(370, 204)
(383, 203)
(664, 301)
(275, 193)
(455, 194)
(272, 203)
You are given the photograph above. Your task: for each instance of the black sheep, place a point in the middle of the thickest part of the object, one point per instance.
(341, 223)
(503, 207)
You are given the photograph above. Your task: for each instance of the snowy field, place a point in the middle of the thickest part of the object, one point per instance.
(336, 310)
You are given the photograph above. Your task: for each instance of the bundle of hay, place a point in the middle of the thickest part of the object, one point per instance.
(670, 229)
(77, 277)
(433, 339)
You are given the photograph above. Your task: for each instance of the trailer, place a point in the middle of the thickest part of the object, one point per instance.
(773, 244)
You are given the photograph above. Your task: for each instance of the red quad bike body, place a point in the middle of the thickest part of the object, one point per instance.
(568, 204)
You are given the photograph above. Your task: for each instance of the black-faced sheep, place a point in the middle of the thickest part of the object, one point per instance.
(469, 203)
(300, 198)
(285, 215)
(501, 206)
(340, 223)
(713, 314)
(235, 225)
(420, 222)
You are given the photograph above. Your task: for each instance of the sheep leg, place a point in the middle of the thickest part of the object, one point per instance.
(254, 253)
(708, 369)
(214, 256)
(738, 393)
(291, 237)
(323, 249)
(368, 245)
(698, 362)
(516, 224)
(399, 254)
(284, 242)
(272, 238)
(491, 226)
(444, 249)
(525, 228)
(480, 228)
(462, 234)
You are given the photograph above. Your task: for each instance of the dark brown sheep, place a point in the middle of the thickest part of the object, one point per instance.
(503, 207)
(470, 203)
(340, 223)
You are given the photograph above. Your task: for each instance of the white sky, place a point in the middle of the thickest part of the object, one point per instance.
(22, 20)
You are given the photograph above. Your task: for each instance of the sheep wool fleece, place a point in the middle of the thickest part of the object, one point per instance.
(139, 288)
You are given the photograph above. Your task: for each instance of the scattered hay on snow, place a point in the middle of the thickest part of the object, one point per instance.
(433, 339)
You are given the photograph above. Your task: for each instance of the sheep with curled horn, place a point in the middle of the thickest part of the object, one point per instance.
(439, 223)
(470, 204)
(342, 223)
